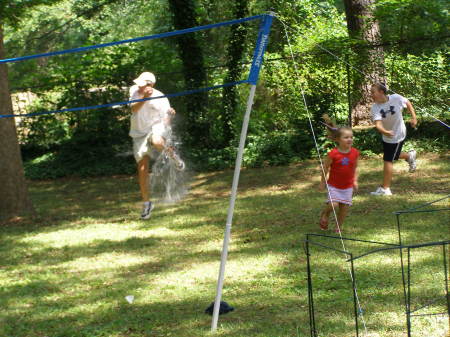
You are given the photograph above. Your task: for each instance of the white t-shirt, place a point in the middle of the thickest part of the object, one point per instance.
(391, 116)
(152, 112)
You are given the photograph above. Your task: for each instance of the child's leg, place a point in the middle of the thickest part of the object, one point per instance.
(404, 156)
(392, 152)
(158, 142)
(329, 208)
(343, 211)
(388, 172)
(325, 214)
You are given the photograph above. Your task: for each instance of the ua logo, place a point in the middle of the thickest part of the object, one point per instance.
(384, 113)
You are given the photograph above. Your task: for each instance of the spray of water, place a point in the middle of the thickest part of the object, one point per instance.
(168, 184)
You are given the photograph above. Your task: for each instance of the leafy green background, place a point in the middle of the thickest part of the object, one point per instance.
(415, 35)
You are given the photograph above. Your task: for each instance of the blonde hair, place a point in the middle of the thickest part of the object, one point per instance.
(334, 131)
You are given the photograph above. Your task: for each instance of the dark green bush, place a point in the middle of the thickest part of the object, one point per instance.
(276, 148)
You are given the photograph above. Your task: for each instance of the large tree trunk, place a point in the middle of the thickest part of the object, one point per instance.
(235, 53)
(364, 28)
(191, 54)
(14, 198)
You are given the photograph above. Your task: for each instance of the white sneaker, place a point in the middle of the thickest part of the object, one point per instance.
(147, 209)
(180, 165)
(412, 161)
(382, 191)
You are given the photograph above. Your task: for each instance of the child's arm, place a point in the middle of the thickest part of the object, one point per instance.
(382, 130)
(355, 182)
(326, 169)
(411, 110)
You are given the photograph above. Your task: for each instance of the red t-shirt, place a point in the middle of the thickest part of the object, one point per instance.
(343, 166)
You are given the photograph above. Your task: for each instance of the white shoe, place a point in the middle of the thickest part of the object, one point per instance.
(147, 209)
(412, 161)
(382, 191)
(180, 165)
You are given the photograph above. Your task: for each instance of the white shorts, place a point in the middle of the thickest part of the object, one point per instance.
(142, 146)
(342, 196)
(159, 129)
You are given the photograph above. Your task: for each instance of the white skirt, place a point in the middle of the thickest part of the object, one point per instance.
(342, 196)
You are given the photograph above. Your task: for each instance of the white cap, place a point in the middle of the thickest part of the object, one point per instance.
(144, 79)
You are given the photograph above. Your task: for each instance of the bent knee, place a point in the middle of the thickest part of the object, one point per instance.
(157, 141)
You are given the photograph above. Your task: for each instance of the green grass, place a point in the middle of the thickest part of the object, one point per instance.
(66, 272)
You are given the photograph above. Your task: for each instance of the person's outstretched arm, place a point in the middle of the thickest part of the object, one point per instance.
(326, 169)
(355, 181)
(411, 110)
(382, 130)
(378, 122)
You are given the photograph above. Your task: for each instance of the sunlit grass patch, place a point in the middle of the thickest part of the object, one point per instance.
(67, 272)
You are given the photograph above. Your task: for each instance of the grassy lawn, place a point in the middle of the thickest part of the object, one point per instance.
(66, 273)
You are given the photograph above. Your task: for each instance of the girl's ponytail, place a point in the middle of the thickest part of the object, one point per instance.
(334, 131)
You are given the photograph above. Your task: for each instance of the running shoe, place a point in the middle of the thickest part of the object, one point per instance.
(382, 191)
(180, 165)
(147, 210)
(412, 161)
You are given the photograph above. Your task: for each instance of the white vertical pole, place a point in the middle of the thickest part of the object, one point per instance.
(226, 241)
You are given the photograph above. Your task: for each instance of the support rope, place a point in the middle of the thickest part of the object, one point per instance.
(360, 311)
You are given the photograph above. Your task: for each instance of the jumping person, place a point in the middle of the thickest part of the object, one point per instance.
(150, 124)
(340, 175)
(387, 113)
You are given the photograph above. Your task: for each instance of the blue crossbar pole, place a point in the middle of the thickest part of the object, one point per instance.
(261, 45)
(148, 37)
(108, 105)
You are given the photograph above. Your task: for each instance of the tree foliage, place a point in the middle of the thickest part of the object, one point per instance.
(414, 35)
(235, 53)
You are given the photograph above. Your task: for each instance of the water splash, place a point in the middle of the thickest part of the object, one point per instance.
(167, 183)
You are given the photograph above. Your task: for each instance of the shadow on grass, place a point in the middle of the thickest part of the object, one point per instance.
(276, 207)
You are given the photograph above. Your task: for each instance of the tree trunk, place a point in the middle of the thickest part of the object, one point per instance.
(14, 198)
(191, 54)
(236, 50)
(364, 28)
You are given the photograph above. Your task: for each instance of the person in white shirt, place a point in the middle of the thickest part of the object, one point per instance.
(149, 128)
(387, 113)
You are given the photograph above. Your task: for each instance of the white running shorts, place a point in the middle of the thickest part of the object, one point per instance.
(142, 146)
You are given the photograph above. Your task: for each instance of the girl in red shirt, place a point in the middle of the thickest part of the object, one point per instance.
(340, 169)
